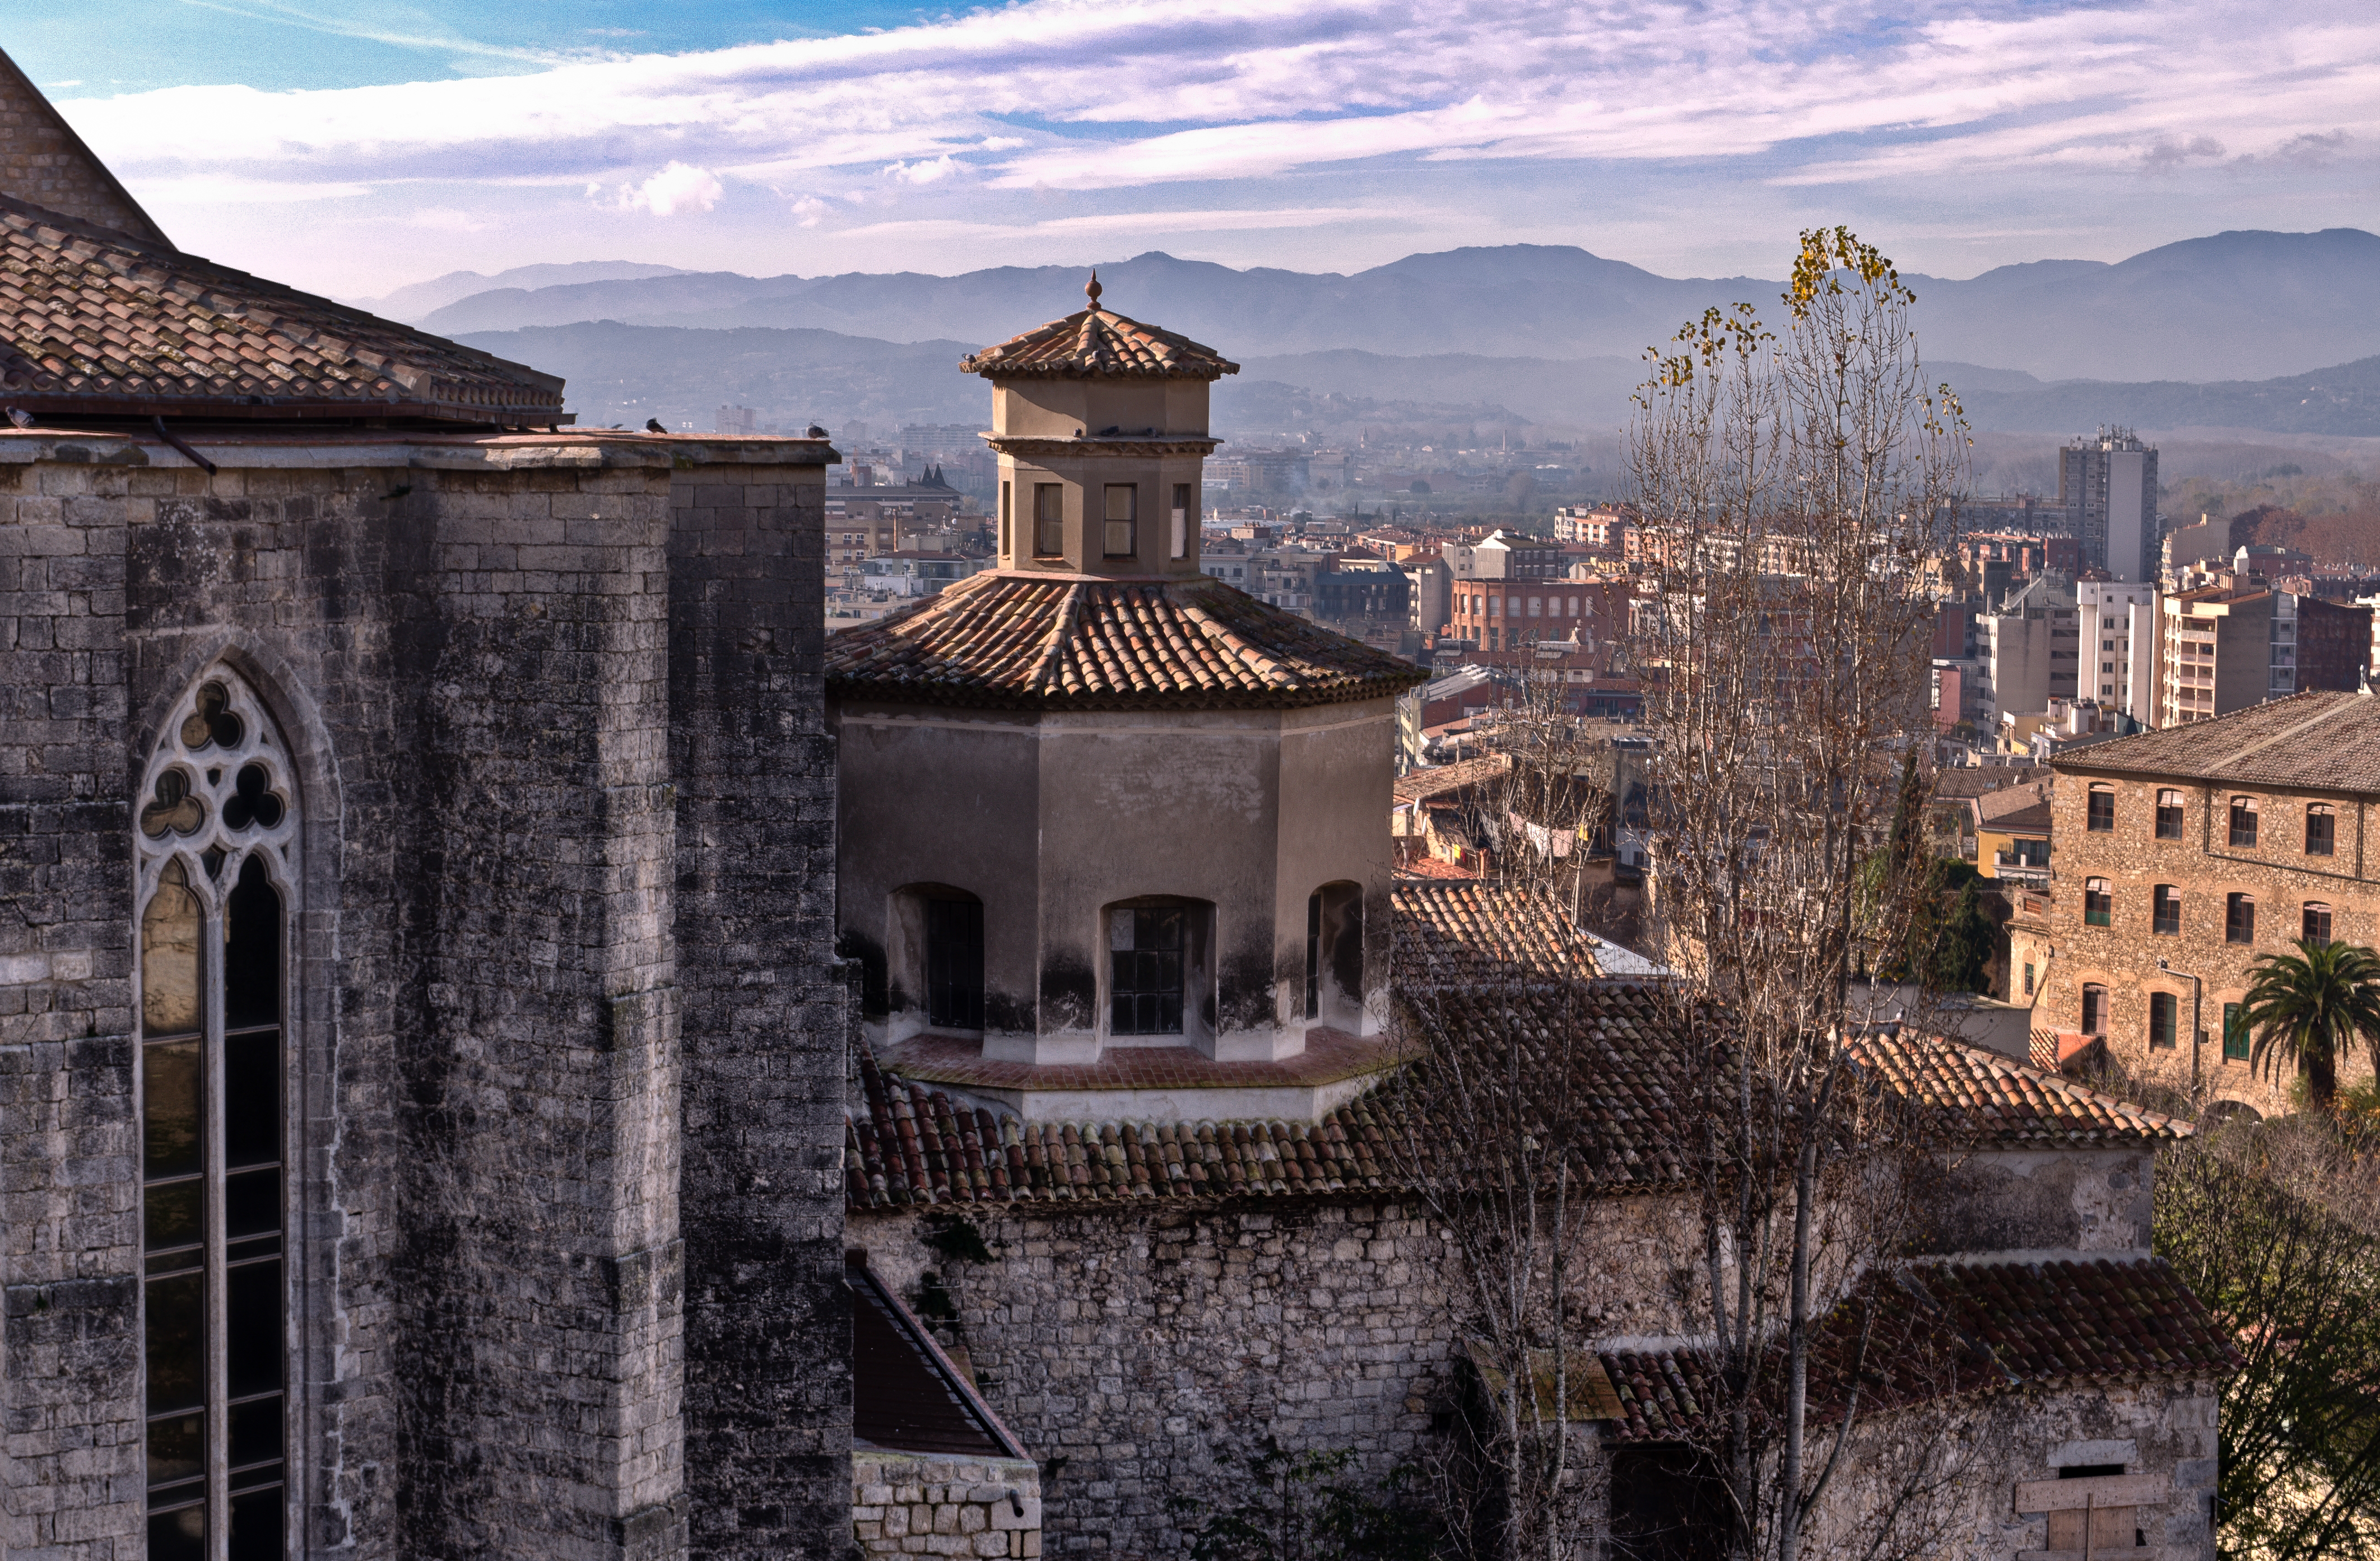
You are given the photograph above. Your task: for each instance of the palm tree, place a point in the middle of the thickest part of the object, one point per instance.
(2305, 1009)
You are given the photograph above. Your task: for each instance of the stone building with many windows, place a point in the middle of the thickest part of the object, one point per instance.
(2185, 853)
(420, 1054)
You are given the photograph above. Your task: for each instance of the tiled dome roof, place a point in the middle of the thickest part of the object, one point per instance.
(1099, 341)
(1019, 641)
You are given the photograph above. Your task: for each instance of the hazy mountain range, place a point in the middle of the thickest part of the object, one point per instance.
(625, 373)
(2236, 306)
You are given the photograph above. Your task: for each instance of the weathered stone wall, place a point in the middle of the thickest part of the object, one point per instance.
(768, 1376)
(467, 644)
(2122, 956)
(1136, 1344)
(919, 1504)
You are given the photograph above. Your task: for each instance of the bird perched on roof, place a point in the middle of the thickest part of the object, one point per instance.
(815, 432)
(653, 425)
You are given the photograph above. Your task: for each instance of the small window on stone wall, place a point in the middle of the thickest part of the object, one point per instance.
(2164, 904)
(2314, 923)
(2098, 904)
(2322, 825)
(2163, 1020)
(2235, 1032)
(2243, 823)
(2239, 918)
(2094, 1010)
(2168, 815)
(2101, 818)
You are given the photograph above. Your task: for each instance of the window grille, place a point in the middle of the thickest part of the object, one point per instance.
(1146, 948)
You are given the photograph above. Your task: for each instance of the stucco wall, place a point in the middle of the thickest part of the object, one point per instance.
(1049, 820)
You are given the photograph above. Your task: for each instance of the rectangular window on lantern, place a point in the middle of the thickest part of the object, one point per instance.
(1120, 539)
(1050, 519)
(1183, 504)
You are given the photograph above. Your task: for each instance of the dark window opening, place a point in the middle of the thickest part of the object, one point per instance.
(954, 963)
(2235, 1032)
(2322, 825)
(2243, 822)
(2314, 927)
(2102, 814)
(2094, 1010)
(2164, 1017)
(1146, 948)
(1666, 1506)
(2168, 815)
(2239, 918)
(2166, 911)
(1050, 519)
(1006, 505)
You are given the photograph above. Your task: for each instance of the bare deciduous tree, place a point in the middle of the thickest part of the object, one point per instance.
(1795, 485)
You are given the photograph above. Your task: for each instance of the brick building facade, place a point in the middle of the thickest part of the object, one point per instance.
(420, 1054)
(2187, 853)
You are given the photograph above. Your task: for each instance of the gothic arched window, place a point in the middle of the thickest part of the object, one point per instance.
(215, 839)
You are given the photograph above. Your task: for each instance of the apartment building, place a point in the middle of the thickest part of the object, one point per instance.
(2185, 853)
(2225, 648)
(2117, 644)
(2107, 485)
(2030, 650)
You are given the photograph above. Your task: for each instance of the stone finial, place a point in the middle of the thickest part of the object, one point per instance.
(1092, 289)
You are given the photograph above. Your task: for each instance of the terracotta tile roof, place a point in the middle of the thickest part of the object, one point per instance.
(100, 324)
(1956, 1328)
(2018, 808)
(1100, 342)
(1024, 641)
(2000, 1100)
(910, 1146)
(1460, 933)
(2323, 741)
(1416, 784)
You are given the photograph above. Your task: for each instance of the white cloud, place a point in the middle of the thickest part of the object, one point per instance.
(923, 172)
(1255, 87)
(681, 187)
(974, 110)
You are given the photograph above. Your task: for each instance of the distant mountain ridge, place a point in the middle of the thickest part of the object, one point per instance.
(2232, 305)
(627, 373)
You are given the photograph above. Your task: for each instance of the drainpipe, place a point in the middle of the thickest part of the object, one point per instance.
(2197, 1002)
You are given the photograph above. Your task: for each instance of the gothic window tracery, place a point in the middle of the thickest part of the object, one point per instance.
(216, 844)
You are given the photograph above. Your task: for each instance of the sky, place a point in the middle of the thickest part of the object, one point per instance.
(352, 147)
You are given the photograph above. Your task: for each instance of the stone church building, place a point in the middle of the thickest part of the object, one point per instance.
(421, 1062)
(499, 1016)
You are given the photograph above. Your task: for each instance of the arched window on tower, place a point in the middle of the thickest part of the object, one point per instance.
(216, 845)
